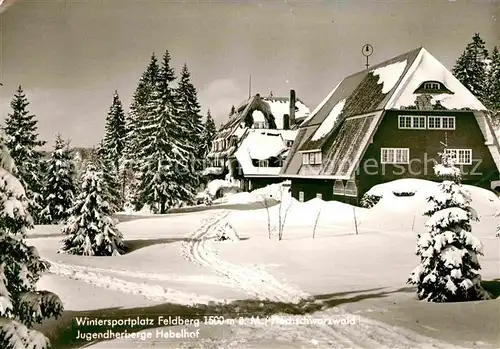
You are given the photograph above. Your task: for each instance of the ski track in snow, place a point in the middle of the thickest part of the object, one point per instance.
(366, 333)
(146, 290)
(144, 275)
(256, 282)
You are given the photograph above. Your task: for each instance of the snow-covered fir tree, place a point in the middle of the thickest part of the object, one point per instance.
(449, 265)
(209, 131)
(60, 190)
(164, 154)
(21, 304)
(134, 122)
(493, 84)
(114, 136)
(22, 139)
(192, 126)
(471, 68)
(112, 189)
(112, 150)
(141, 100)
(90, 230)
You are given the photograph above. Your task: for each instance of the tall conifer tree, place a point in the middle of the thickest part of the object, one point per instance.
(22, 138)
(471, 68)
(60, 190)
(191, 120)
(493, 84)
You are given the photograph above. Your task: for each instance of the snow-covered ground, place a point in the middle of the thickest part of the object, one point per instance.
(345, 289)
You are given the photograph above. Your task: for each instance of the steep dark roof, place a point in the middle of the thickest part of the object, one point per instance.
(359, 103)
(363, 96)
(244, 111)
(361, 90)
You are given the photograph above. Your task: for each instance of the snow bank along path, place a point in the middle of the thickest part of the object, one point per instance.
(258, 283)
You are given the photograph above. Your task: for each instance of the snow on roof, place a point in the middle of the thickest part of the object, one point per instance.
(426, 68)
(330, 121)
(389, 74)
(240, 131)
(258, 116)
(323, 102)
(281, 106)
(288, 135)
(260, 145)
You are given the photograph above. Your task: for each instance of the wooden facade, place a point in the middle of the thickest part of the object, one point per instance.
(381, 135)
(424, 146)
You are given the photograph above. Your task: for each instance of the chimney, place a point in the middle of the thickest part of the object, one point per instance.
(292, 108)
(424, 102)
(286, 122)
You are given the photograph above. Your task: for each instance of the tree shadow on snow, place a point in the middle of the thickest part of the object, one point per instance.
(125, 217)
(134, 245)
(41, 236)
(62, 332)
(493, 287)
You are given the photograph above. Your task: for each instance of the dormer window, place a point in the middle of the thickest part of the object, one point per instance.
(263, 163)
(312, 158)
(431, 86)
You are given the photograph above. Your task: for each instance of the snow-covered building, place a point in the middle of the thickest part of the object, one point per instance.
(253, 144)
(390, 122)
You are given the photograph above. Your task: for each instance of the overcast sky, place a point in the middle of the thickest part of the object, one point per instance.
(70, 56)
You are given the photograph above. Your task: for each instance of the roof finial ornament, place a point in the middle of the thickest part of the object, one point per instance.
(367, 51)
(271, 93)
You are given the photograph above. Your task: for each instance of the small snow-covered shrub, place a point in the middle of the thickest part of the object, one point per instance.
(219, 188)
(403, 193)
(207, 200)
(368, 201)
(226, 232)
(204, 198)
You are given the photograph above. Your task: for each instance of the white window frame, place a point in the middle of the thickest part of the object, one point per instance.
(260, 124)
(315, 158)
(312, 158)
(390, 156)
(338, 187)
(351, 191)
(414, 122)
(433, 86)
(301, 196)
(305, 158)
(441, 122)
(263, 163)
(461, 156)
